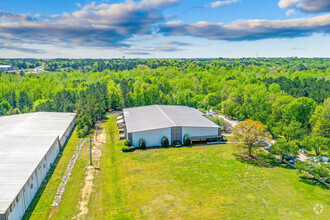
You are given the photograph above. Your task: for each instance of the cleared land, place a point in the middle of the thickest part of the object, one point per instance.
(184, 183)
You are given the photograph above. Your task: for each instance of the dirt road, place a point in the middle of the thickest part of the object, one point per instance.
(89, 175)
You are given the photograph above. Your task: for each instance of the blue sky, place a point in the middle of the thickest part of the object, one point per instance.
(164, 28)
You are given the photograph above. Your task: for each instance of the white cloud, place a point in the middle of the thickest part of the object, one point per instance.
(92, 25)
(220, 3)
(291, 12)
(175, 43)
(307, 6)
(250, 29)
(287, 3)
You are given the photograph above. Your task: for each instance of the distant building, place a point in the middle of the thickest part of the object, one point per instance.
(29, 144)
(5, 67)
(154, 122)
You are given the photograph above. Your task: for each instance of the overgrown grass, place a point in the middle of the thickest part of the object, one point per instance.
(198, 182)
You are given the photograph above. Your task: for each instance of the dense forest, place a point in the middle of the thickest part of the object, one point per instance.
(86, 65)
(19, 64)
(288, 95)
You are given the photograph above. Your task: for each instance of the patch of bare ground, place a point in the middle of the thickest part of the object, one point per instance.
(89, 175)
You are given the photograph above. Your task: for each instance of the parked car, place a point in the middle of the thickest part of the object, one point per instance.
(229, 129)
(294, 161)
(291, 160)
(324, 159)
(268, 147)
(288, 158)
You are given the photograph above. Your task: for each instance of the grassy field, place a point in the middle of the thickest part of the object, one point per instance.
(183, 183)
(198, 182)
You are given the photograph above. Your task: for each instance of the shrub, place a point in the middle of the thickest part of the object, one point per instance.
(224, 138)
(5, 105)
(165, 142)
(218, 121)
(142, 144)
(127, 143)
(83, 132)
(314, 167)
(176, 143)
(128, 149)
(186, 140)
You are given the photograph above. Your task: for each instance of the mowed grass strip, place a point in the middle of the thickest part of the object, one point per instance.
(197, 182)
(68, 206)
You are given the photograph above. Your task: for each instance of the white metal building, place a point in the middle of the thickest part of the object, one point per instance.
(29, 144)
(154, 122)
(5, 67)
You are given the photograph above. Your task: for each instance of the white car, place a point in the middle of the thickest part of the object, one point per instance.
(324, 159)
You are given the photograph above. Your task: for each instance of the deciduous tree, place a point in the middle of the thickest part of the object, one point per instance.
(300, 110)
(284, 148)
(320, 121)
(251, 134)
(316, 143)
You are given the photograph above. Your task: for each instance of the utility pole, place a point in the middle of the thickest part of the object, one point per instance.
(97, 125)
(100, 115)
(90, 149)
(98, 120)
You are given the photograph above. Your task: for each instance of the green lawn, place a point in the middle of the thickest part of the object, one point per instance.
(200, 182)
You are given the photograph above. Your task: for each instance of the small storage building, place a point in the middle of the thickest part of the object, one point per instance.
(154, 122)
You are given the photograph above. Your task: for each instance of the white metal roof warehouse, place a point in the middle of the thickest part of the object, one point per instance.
(154, 122)
(29, 144)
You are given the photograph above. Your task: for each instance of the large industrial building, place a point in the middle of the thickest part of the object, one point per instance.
(154, 122)
(29, 144)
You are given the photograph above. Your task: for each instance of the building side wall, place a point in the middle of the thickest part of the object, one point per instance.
(176, 134)
(130, 137)
(193, 131)
(152, 137)
(31, 187)
(33, 183)
(67, 132)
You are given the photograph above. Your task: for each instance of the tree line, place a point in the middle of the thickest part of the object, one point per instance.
(22, 63)
(290, 96)
(97, 65)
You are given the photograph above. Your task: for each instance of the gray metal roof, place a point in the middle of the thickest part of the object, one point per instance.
(163, 116)
(24, 141)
